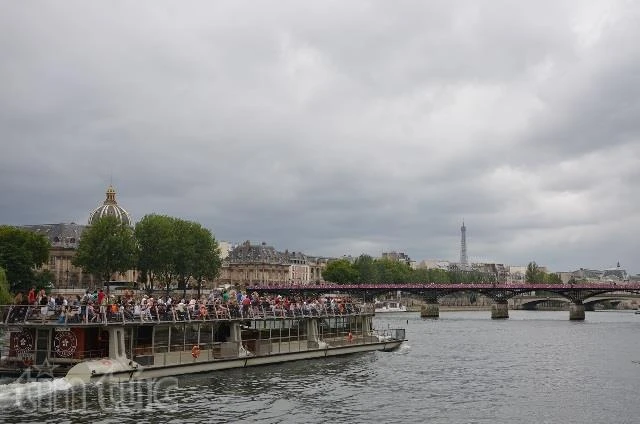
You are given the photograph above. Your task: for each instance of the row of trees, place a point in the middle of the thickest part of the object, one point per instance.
(164, 249)
(366, 269)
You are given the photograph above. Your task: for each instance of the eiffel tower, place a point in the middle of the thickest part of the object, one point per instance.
(464, 261)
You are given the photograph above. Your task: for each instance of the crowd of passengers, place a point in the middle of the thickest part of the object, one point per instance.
(98, 307)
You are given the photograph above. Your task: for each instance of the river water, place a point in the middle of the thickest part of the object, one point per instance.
(536, 367)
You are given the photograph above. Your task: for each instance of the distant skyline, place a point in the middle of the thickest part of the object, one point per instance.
(334, 128)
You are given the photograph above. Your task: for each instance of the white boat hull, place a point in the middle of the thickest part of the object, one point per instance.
(390, 310)
(119, 371)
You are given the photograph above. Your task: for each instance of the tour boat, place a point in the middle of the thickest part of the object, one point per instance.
(389, 306)
(165, 342)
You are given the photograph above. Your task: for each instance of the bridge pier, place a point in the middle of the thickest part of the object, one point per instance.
(500, 310)
(430, 310)
(576, 312)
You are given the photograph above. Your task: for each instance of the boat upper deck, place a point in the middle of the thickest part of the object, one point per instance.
(133, 314)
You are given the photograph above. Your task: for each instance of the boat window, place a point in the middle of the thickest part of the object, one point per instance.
(222, 332)
(161, 339)
(191, 335)
(177, 338)
(206, 336)
(143, 341)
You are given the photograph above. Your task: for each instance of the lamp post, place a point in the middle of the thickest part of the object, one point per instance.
(67, 272)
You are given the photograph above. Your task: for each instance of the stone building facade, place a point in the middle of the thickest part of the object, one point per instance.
(248, 264)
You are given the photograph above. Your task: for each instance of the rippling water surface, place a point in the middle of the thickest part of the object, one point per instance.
(536, 367)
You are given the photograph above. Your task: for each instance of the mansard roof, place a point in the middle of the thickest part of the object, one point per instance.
(262, 253)
(59, 235)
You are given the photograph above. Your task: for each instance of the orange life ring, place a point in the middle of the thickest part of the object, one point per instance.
(350, 337)
(195, 351)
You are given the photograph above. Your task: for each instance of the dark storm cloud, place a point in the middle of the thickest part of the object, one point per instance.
(333, 127)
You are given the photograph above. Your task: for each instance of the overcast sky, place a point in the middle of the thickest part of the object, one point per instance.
(334, 127)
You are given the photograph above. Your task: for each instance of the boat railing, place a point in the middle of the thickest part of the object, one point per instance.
(125, 314)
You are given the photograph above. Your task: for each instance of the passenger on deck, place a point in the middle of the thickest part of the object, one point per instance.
(204, 314)
(91, 313)
(31, 297)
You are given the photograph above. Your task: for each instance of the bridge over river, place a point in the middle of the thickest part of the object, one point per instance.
(577, 294)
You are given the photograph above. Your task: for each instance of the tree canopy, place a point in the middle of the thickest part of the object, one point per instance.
(533, 274)
(20, 252)
(106, 248)
(340, 271)
(175, 250)
(366, 267)
(157, 244)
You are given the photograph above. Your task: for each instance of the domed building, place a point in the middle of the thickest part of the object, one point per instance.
(65, 238)
(110, 208)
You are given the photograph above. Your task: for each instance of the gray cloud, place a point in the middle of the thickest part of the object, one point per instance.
(334, 128)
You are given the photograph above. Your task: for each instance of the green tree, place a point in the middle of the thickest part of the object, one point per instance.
(173, 249)
(367, 270)
(391, 271)
(552, 278)
(197, 255)
(533, 274)
(340, 271)
(20, 252)
(5, 293)
(157, 244)
(207, 261)
(439, 276)
(106, 248)
(421, 275)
